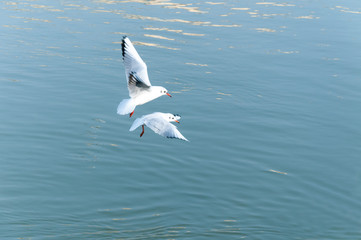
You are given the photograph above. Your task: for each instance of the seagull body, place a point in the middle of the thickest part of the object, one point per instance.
(140, 89)
(160, 124)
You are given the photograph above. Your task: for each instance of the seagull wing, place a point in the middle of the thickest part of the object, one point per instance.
(163, 127)
(172, 132)
(135, 69)
(137, 122)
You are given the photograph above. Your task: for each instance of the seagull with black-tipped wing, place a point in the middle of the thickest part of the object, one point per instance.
(140, 89)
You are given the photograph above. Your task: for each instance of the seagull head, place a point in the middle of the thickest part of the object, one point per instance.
(172, 117)
(164, 91)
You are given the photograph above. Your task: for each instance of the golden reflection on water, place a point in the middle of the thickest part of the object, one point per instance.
(194, 34)
(240, 9)
(197, 64)
(68, 19)
(108, 11)
(123, 34)
(224, 94)
(346, 10)
(16, 27)
(189, 9)
(159, 37)
(140, 17)
(47, 8)
(28, 19)
(197, 23)
(276, 51)
(276, 4)
(254, 13)
(215, 3)
(174, 30)
(165, 3)
(275, 171)
(307, 17)
(72, 5)
(77, 6)
(273, 15)
(11, 3)
(154, 45)
(163, 29)
(225, 25)
(265, 30)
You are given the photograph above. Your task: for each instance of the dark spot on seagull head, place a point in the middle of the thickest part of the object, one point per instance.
(176, 116)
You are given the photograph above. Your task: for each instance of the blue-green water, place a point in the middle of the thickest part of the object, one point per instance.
(269, 94)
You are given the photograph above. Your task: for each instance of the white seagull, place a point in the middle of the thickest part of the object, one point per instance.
(159, 123)
(140, 89)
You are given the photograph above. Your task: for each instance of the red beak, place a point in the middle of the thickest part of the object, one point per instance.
(169, 95)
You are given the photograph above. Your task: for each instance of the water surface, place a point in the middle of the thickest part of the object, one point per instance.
(269, 94)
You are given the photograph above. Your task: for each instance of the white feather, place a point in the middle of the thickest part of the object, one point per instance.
(126, 106)
(159, 123)
(137, 122)
(133, 62)
(139, 87)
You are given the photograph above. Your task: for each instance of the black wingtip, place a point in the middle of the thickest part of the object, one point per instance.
(186, 140)
(123, 45)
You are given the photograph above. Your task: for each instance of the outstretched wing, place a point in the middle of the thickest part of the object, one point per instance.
(172, 132)
(135, 68)
(163, 128)
(137, 122)
(135, 85)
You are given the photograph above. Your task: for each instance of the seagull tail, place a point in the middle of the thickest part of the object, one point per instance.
(126, 106)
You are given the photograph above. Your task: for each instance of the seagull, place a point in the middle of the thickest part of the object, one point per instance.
(159, 123)
(140, 89)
